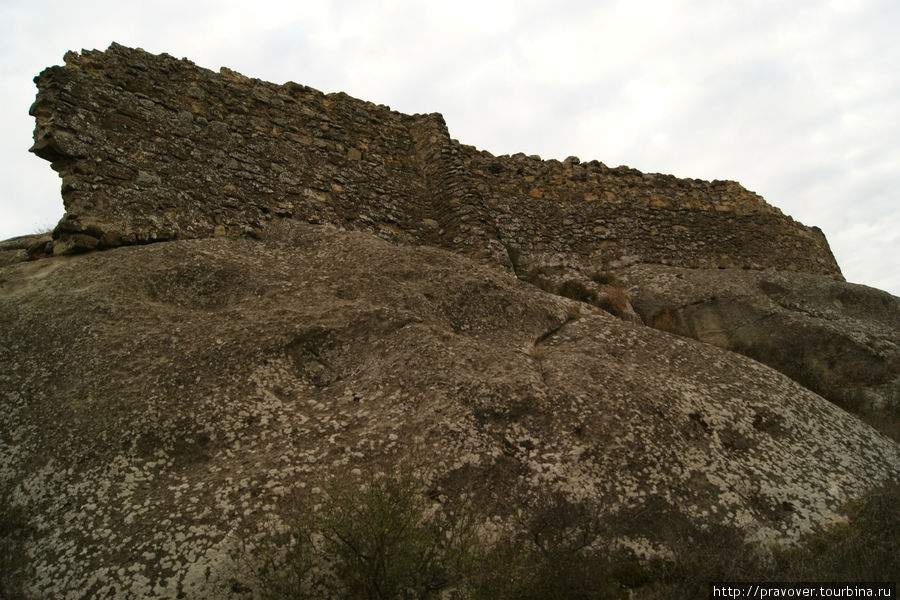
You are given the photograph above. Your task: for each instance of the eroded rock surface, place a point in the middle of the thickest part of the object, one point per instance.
(159, 402)
(343, 289)
(838, 339)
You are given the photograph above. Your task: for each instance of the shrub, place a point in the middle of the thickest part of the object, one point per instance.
(605, 278)
(379, 543)
(387, 542)
(885, 419)
(14, 532)
(701, 555)
(576, 291)
(540, 277)
(614, 300)
(519, 571)
(618, 298)
(865, 548)
(573, 313)
(551, 558)
(537, 352)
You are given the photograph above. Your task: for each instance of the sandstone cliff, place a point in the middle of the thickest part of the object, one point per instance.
(338, 290)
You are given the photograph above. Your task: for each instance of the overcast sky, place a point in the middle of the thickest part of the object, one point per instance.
(798, 100)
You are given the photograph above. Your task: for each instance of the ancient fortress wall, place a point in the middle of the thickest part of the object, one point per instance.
(153, 148)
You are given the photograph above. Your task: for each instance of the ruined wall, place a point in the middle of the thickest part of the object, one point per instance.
(152, 148)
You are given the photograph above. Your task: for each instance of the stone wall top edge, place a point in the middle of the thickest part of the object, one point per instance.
(73, 59)
(79, 60)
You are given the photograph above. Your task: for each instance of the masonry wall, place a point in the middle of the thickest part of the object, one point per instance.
(152, 148)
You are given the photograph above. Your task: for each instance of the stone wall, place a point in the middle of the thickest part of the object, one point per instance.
(153, 148)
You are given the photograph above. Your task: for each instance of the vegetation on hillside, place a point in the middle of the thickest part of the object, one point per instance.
(391, 541)
(14, 532)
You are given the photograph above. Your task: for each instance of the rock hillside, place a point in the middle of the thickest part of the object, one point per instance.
(838, 339)
(296, 289)
(160, 401)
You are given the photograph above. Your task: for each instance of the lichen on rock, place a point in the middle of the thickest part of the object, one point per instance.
(297, 289)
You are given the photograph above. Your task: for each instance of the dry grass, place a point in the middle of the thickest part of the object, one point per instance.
(664, 321)
(618, 299)
(537, 352)
(605, 278)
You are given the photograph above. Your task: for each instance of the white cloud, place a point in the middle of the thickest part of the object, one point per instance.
(799, 101)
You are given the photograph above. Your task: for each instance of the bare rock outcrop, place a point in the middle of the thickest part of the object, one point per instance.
(159, 402)
(25, 247)
(343, 289)
(838, 339)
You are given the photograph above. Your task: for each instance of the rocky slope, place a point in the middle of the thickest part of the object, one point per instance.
(152, 148)
(297, 289)
(159, 400)
(838, 339)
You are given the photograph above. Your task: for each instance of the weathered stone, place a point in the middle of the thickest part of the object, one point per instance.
(160, 400)
(246, 135)
(75, 242)
(163, 399)
(147, 179)
(838, 339)
(26, 247)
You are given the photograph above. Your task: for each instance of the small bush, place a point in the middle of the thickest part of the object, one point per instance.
(605, 278)
(701, 555)
(14, 532)
(387, 542)
(615, 300)
(380, 543)
(885, 419)
(535, 273)
(539, 276)
(551, 558)
(577, 291)
(521, 572)
(43, 229)
(865, 548)
(618, 298)
(537, 352)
